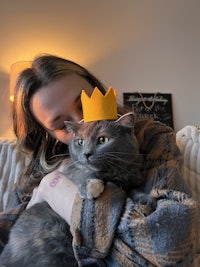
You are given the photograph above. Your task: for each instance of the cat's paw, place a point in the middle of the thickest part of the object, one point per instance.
(143, 199)
(94, 188)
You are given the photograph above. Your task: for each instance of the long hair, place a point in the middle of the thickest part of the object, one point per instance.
(45, 152)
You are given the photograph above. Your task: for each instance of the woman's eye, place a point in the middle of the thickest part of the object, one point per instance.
(62, 127)
(103, 140)
(81, 142)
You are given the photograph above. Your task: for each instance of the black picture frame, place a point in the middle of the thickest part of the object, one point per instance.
(155, 105)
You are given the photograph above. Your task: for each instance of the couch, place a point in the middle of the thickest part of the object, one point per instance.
(188, 140)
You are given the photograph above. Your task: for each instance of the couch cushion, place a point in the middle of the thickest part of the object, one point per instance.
(188, 140)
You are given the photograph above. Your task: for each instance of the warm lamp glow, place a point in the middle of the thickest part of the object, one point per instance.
(15, 70)
(11, 98)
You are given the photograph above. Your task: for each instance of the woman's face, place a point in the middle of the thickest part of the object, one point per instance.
(59, 101)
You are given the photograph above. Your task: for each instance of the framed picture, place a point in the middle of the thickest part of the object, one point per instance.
(155, 105)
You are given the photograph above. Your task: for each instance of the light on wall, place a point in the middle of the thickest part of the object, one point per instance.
(15, 70)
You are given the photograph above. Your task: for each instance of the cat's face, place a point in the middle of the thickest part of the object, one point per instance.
(101, 143)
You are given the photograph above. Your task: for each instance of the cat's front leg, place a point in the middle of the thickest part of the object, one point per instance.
(87, 187)
(94, 188)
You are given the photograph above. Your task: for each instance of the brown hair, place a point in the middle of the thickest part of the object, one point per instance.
(45, 152)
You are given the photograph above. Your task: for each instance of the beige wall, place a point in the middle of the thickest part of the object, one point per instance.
(133, 45)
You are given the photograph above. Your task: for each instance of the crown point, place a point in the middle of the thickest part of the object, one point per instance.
(99, 106)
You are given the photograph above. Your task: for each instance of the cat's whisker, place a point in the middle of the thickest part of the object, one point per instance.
(127, 153)
(60, 155)
(112, 160)
(71, 163)
(117, 156)
(118, 153)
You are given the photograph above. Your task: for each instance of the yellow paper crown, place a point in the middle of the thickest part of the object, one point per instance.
(99, 107)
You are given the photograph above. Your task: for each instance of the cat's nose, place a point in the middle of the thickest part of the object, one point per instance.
(87, 155)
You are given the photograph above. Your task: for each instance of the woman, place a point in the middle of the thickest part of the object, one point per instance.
(112, 230)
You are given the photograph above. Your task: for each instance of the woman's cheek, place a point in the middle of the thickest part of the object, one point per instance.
(64, 137)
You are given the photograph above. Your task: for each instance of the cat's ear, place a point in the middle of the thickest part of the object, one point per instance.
(127, 120)
(71, 127)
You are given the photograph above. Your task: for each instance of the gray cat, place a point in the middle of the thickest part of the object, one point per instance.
(104, 151)
(100, 152)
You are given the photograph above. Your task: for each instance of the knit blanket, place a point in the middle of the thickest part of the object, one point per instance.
(11, 162)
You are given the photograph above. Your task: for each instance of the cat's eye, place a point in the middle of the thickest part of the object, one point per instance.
(103, 140)
(81, 142)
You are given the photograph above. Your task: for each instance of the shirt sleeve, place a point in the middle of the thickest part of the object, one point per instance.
(155, 228)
